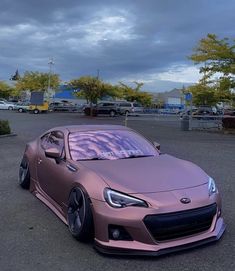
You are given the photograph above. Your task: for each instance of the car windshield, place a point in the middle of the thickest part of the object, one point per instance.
(109, 145)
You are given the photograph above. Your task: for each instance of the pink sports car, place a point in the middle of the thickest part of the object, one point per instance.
(109, 183)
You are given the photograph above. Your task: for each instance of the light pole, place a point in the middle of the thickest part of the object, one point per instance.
(50, 63)
(98, 74)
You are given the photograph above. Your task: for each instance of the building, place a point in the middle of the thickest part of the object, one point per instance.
(68, 94)
(173, 99)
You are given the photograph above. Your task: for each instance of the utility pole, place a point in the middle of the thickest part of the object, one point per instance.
(98, 74)
(50, 63)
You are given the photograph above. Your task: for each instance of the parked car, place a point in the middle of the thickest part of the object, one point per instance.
(137, 108)
(106, 108)
(6, 105)
(129, 107)
(205, 110)
(22, 106)
(187, 112)
(125, 107)
(229, 112)
(60, 106)
(110, 184)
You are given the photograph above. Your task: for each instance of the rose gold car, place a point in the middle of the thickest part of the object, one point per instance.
(109, 183)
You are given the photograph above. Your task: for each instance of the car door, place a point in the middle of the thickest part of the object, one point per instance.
(51, 172)
(100, 108)
(2, 105)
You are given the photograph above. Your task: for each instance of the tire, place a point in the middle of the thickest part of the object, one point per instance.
(10, 108)
(112, 113)
(20, 110)
(79, 216)
(24, 174)
(35, 111)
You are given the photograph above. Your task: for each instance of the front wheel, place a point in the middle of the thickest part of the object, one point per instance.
(35, 111)
(24, 175)
(80, 219)
(20, 110)
(10, 108)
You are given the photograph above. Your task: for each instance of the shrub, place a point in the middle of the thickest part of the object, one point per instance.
(228, 122)
(4, 127)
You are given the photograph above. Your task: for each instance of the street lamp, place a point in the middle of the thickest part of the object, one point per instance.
(50, 63)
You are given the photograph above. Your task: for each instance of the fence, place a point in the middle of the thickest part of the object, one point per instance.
(196, 122)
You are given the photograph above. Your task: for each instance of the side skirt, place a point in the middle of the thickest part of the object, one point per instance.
(36, 190)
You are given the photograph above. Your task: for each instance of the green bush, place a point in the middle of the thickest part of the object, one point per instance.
(4, 127)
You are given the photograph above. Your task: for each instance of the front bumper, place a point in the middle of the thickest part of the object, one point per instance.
(158, 251)
(143, 242)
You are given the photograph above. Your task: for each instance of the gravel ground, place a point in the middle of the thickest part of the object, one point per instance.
(33, 238)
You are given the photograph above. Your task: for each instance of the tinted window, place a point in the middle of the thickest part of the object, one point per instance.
(110, 144)
(108, 104)
(54, 139)
(125, 104)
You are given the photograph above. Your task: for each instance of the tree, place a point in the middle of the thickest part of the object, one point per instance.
(217, 55)
(5, 90)
(223, 89)
(16, 76)
(37, 81)
(134, 94)
(217, 59)
(91, 88)
(203, 94)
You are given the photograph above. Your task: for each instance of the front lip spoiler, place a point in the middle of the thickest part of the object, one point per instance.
(132, 252)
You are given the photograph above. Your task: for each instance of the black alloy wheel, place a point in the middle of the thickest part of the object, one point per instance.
(24, 174)
(80, 220)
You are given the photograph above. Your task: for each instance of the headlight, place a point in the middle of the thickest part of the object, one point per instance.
(119, 200)
(211, 186)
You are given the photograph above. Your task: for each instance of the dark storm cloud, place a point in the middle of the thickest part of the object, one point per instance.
(126, 40)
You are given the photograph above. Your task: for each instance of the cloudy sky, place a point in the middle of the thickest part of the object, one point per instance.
(126, 40)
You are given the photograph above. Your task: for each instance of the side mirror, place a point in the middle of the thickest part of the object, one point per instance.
(156, 145)
(53, 153)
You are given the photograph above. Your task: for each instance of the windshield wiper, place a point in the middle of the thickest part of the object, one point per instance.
(136, 156)
(91, 159)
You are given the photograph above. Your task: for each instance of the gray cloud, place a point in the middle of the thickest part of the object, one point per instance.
(126, 40)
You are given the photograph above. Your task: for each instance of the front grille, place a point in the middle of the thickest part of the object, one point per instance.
(180, 224)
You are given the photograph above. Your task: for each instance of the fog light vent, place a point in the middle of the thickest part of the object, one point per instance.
(118, 233)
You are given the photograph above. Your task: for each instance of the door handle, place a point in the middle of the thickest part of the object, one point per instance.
(71, 167)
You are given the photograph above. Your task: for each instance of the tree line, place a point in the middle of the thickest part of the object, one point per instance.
(90, 88)
(215, 57)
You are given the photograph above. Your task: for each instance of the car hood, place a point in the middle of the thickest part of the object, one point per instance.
(149, 174)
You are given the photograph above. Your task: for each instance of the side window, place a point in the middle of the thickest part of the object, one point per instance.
(44, 141)
(54, 139)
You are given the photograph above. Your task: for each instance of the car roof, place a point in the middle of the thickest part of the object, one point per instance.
(80, 128)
